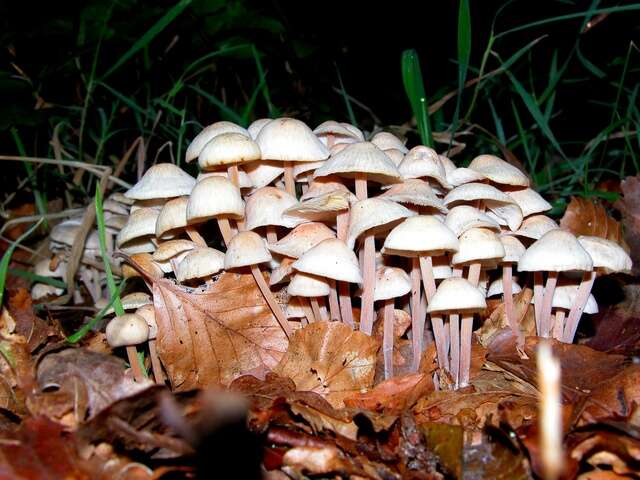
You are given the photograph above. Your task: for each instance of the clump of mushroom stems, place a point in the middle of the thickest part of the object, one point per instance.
(368, 265)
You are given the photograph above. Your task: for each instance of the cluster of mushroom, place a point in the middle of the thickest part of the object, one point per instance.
(334, 217)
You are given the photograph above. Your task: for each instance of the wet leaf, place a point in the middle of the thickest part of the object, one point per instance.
(585, 216)
(330, 359)
(212, 337)
(394, 395)
(629, 206)
(447, 442)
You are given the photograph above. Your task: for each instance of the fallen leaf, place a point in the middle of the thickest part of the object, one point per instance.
(614, 398)
(495, 457)
(618, 327)
(394, 395)
(629, 207)
(497, 321)
(416, 460)
(33, 329)
(608, 449)
(585, 216)
(326, 460)
(447, 442)
(330, 359)
(214, 336)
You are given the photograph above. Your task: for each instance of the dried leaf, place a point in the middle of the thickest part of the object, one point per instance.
(447, 442)
(330, 359)
(33, 329)
(212, 337)
(497, 321)
(394, 395)
(618, 327)
(585, 216)
(629, 206)
(495, 458)
(326, 460)
(614, 398)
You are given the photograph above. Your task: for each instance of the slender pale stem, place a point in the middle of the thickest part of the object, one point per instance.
(507, 278)
(289, 181)
(454, 339)
(308, 311)
(369, 270)
(195, 236)
(578, 306)
(437, 324)
(225, 230)
(466, 331)
(155, 362)
(474, 273)
(315, 306)
(558, 325)
(387, 338)
(538, 293)
(271, 300)
(132, 355)
(334, 307)
(417, 321)
(342, 225)
(550, 417)
(272, 235)
(547, 302)
(233, 174)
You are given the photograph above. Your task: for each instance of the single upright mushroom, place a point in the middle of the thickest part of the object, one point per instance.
(162, 181)
(173, 218)
(209, 133)
(129, 330)
(311, 287)
(513, 250)
(140, 227)
(333, 133)
(424, 162)
(149, 314)
(265, 208)
(564, 297)
(387, 141)
(201, 262)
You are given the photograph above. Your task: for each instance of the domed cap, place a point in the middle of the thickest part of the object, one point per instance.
(301, 239)
(529, 201)
(447, 163)
(499, 171)
(149, 314)
(462, 175)
(391, 282)
(564, 296)
(456, 294)
(414, 192)
(43, 269)
(556, 251)
(172, 248)
(128, 329)
(303, 171)
(330, 258)
(212, 197)
(423, 161)
(463, 217)
(423, 234)
(282, 271)
(371, 213)
(387, 141)
(138, 245)
(145, 263)
(132, 301)
(266, 206)
(362, 157)
(163, 180)
(245, 249)
(304, 285)
(288, 139)
(155, 203)
(478, 245)
(606, 254)
(263, 173)
(66, 232)
(243, 179)
(199, 263)
(395, 155)
(208, 134)
(322, 208)
(340, 132)
(141, 223)
(173, 215)
(227, 149)
(508, 214)
(535, 226)
(513, 248)
(324, 185)
(497, 288)
(470, 192)
(256, 126)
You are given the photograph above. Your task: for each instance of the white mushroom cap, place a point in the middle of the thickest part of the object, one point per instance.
(303, 171)
(331, 258)
(131, 301)
(556, 251)
(322, 186)
(214, 197)
(499, 171)
(163, 180)
(414, 192)
(463, 175)
(288, 139)
(243, 179)
(256, 126)
(322, 208)
(266, 206)
(470, 192)
(387, 141)
(420, 235)
(208, 134)
(141, 223)
(606, 254)
(301, 239)
(441, 268)
(173, 215)
(42, 268)
(361, 157)
(463, 217)
(66, 232)
(513, 248)
(456, 294)
(423, 161)
(304, 285)
(228, 148)
(172, 248)
(529, 201)
(535, 227)
(246, 248)
(508, 214)
(497, 288)
(373, 213)
(139, 245)
(340, 132)
(478, 245)
(391, 282)
(155, 203)
(148, 312)
(263, 173)
(128, 329)
(395, 155)
(199, 263)
(564, 296)
(42, 290)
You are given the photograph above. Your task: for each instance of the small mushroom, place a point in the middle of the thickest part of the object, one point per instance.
(129, 330)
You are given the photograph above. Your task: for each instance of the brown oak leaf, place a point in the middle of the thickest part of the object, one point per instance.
(629, 206)
(394, 395)
(587, 217)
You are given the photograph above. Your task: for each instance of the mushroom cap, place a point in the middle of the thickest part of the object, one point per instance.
(340, 131)
(128, 329)
(305, 285)
(423, 161)
(497, 288)
(529, 201)
(535, 227)
(302, 168)
(513, 248)
(256, 126)
(266, 206)
(170, 249)
(243, 179)
(200, 262)
(470, 192)
(42, 290)
(121, 198)
(141, 223)
(262, 173)
(458, 295)
(288, 139)
(564, 296)
(361, 157)
(391, 282)
(139, 245)
(331, 258)
(148, 312)
(282, 271)
(155, 203)
(227, 149)
(322, 186)
(131, 301)
(395, 155)
(163, 180)
(371, 213)
(499, 171)
(214, 197)
(42, 268)
(463, 217)
(301, 239)
(606, 254)
(478, 245)
(508, 214)
(113, 206)
(209, 133)
(556, 251)
(441, 268)
(66, 232)
(420, 235)
(387, 141)
(322, 208)
(173, 215)
(246, 248)
(463, 175)
(447, 163)
(146, 263)
(414, 192)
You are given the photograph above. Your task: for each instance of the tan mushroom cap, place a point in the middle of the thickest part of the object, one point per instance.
(266, 206)
(172, 216)
(324, 185)
(263, 173)
(395, 155)
(288, 139)
(169, 249)
(243, 178)
(282, 272)
(66, 232)
(227, 149)
(556, 251)
(322, 208)
(43, 269)
(199, 263)
(606, 254)
(155, 203)
(387, 141)
(301, 239)
(131, 301)
(391, 282)
(214, 197)
(373, 213)
(470, 192)
(456, 294)
(146, 263)
(148, 312)
(256, 126)
(478, 245)
(463, 217)
(245, 249)
(564, 296)
(340, 132)
(121, 198)
(420, 235)
(447, 163)
(414, 192)
(421, 162)
(167, 265)
(508, 214)
(139, 245)
(463, 175)
(331, 258)
(163, 180)
(535, 227)
(113, 206)
(513, 249)
(208, 134)
(128, 329)
(497, 288)
(361, 157)
(141, 223)
(499, 171)
(529, 201)
(305, 285)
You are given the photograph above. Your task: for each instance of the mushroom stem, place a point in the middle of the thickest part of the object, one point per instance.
(507, 279)
(369, 267)
(474, 273)
(334, 308)
(437, 324)
(315, 307)
(387, 338)
(454, 342)
(550, 418)
(225, 230)
(547, 301)
(538, 292)
(308, 311)
(155, 362)
(271, 300)
(558, 325)
(132, 355)
(289, 182)
(272, 236)
(578, 306)
(466, 332)
(346, 311)
(233, 174)
(417, 322)
(195, 236)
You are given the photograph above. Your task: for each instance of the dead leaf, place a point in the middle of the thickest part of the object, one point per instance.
(447, 442)
(585, 216)
(629, 207)
(614, 398)
(495, 457)
(497, 321)
(394, 395)
(212, 337)
(33, 329)
(608, 449)
(416, 460)
(327, 460)
(330, 359)
(618, 327)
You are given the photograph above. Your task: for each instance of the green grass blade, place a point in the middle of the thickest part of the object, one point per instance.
(347, 100)
(464, 54)
(414, 88)
(265, 88)
(33, 278)
(111, 283)
(226, 111)
(248, 109)
(6, 258)
(38, 197)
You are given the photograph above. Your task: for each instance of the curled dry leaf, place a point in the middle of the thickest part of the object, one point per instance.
(330, 359)
(629, 206)
(33, 329)
(394, 395)
(587, 217)
(326, 460)
(497, 321)
(214, 336)
(614, 398)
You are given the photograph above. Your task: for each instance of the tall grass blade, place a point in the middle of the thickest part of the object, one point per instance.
(38, 198)
(464, 54)
(414, 88)
(347, 100)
